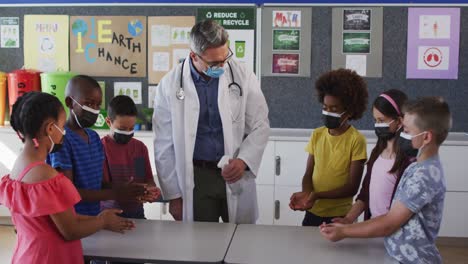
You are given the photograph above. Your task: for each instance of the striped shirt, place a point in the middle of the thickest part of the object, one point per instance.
(123, 162)
(85, 159)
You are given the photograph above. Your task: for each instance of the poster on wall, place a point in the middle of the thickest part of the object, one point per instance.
(46, 42)
(434, 27)
(285, 39)
(433, 43)
(357, 40)
(286, 19)
(240, 25)
(356, 19)
(285, 63)
(9, 32)
(168, 44)
(108, 46)
(131, 89)
(357, 63)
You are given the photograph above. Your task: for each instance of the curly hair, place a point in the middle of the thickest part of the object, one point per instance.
(31, 110)
(348, 87)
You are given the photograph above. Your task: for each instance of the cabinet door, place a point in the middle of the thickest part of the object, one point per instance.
(265, 196)
(454, 222)
(454, 159)
(266, 173)
(283, 214)
(292, 160)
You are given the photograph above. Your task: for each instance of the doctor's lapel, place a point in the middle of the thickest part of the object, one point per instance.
(224, 106)
(191, 115)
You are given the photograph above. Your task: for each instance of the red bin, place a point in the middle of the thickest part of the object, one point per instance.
(21, 82)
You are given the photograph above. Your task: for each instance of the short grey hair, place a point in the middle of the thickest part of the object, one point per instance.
(207, 34)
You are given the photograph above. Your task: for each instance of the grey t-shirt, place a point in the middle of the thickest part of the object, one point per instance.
(421, 190)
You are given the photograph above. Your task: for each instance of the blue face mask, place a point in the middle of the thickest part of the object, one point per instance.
(214, 73)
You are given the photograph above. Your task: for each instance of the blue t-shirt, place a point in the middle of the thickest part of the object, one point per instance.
(85, 159)
(421, 190)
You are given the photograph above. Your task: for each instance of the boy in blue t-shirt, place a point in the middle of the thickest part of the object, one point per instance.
(412, 224)
(81, 157)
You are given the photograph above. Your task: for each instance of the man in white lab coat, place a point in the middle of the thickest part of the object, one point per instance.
(210, 108)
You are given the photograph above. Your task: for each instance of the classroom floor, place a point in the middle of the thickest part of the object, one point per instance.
(453, 252)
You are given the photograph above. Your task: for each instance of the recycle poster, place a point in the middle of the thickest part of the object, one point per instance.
(240, 25)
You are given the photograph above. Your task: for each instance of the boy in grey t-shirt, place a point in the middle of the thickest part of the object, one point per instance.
(422, 191)
(412, 224)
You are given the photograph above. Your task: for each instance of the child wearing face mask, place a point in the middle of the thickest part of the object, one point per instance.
(126, 158)
(411, 226)
(387, 161)
(337, 151)
(81, 157)
(41, 199)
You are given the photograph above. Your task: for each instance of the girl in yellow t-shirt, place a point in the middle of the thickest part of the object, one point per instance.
(337, 151)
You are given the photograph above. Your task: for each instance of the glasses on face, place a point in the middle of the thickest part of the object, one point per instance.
(217, 64)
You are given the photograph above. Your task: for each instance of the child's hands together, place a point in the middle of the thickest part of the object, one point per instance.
(302, 201)
(129, 191)
(115, 223)
(332, 232)
(153, 194)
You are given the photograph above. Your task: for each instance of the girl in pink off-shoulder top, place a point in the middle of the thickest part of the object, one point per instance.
(39, 198)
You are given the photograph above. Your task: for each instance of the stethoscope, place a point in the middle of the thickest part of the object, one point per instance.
(180, 94)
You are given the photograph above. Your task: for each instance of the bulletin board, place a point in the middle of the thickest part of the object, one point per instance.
(168, 40)
(357, 40)
(110, 46)
(286, 41)
(293, 102)
(12, 58)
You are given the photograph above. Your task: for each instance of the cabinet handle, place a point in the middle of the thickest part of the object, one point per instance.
(164, 208)
(277, 165)
(277, 209)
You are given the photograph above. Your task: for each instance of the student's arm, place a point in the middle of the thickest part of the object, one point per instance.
(380, 226)
(362, 201)
(353, 214)
(307, 185)
(297, 199)
(153, 191)
(62, 162)
(358, 159)
(90, 195)
(73, 227)
(418, 191)
(347, 190)
(127, 191)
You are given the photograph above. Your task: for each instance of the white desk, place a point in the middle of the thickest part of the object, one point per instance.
(163, 242)
(259, 244)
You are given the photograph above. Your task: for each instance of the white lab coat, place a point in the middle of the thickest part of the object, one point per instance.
(245, 128)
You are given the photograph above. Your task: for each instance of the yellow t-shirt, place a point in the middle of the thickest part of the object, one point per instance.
(332, 157)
